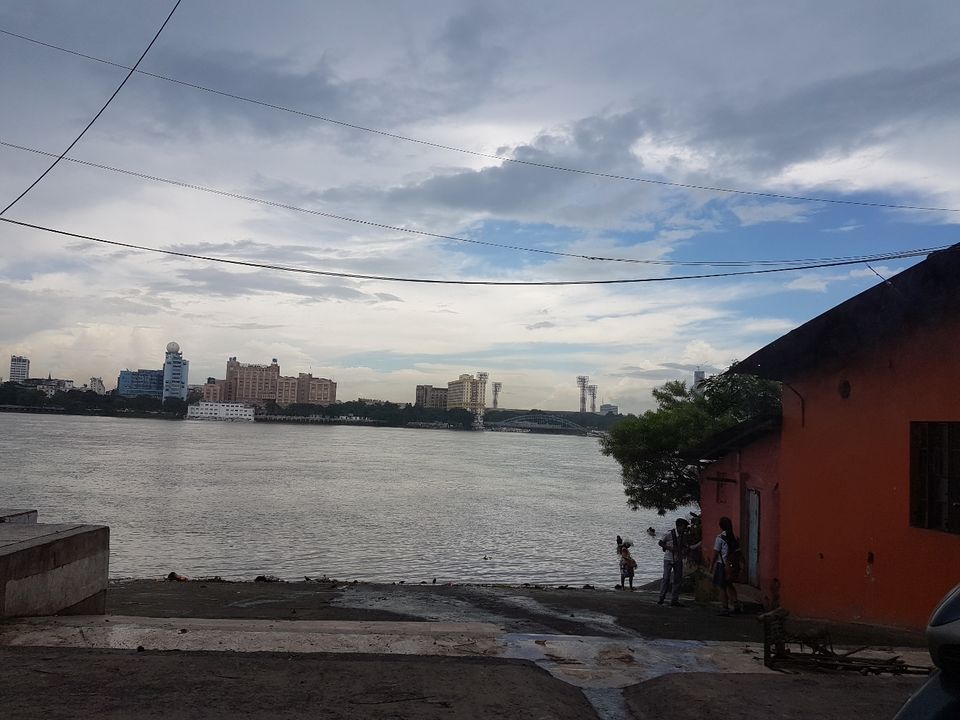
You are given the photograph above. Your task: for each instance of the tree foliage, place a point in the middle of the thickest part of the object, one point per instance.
(649, 447)
(391, 414)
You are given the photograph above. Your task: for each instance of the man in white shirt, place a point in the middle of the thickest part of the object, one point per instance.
(675, 547)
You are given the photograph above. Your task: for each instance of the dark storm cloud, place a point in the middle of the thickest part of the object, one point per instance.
(519, 191)
(476, 47)
(510, 188)
(834, 115)
(317, 90)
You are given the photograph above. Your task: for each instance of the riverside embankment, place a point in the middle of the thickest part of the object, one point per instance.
(326, 649)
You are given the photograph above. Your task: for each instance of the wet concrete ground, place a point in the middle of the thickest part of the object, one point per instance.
(504, 652)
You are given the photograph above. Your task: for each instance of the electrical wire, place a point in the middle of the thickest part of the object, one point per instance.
(477, 153)
(95, 117)
(437, 281)
(877, 257)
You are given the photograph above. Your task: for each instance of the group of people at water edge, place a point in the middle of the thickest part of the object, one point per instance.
(679, 545)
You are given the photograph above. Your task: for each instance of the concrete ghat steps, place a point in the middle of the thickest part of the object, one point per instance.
(583, 661)
(304, 636)
(53, 568)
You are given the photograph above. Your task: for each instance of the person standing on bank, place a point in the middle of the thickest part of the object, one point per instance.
(726, 566)
(627, 563)
(675, 546)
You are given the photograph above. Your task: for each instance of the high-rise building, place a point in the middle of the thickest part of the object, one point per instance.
(315, 391)
(260, 384)
(286, 390)
(429, 396)
(19, 368)
(175, 371)
(213, 390)
(468, 393)
(252, 383)
(97, 386)
(135, 383)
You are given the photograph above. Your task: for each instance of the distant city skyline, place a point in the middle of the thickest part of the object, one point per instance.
(159, 383)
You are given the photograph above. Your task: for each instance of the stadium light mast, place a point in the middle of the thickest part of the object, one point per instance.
(582, 381)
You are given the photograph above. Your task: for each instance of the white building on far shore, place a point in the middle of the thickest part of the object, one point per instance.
(175, 373)
(204, 410)
(19, 368)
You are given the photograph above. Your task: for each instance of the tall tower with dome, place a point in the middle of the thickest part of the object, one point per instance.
(175, 371)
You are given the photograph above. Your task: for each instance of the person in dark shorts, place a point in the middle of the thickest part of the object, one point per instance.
(627, 563)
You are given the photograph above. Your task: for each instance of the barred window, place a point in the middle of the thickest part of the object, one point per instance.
(935, 475)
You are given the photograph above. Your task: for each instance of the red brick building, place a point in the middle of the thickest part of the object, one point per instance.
(867, 473)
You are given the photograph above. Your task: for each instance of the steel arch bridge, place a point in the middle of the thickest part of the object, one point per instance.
(539, 423)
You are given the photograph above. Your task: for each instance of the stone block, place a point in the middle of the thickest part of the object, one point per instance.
(50, 569)
(11, 515)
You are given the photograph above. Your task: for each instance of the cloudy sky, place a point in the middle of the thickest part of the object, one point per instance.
(849, 101)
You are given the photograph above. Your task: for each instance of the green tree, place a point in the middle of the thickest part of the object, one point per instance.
(649, 448)
(12, 393)
(175, 406)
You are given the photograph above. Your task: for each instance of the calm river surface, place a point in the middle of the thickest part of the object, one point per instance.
(380, 504)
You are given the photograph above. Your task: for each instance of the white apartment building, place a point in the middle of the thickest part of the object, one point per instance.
(19, 368)
(175, 373)
(220, 411)
(469, 393)
(96, 384)
(49, 386)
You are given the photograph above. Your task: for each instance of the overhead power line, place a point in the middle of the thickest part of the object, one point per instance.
(876, 257)
(438, 281)
(477, 153)
(99, 113)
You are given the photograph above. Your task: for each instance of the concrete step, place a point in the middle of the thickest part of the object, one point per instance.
(12, 515)
(53, 568)
(122, 632)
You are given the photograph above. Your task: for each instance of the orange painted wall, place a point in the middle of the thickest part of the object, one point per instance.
(845, 484)
(760, 461)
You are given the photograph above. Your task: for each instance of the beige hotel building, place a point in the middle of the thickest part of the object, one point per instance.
(259, 384)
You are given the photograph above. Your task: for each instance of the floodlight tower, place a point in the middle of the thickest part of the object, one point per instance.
(582, 381)
(592, 392)
(497, 386)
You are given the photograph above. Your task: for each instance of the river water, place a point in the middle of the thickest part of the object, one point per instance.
(379, 504)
